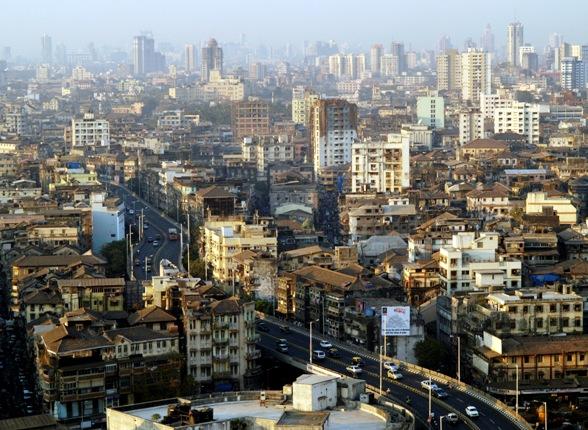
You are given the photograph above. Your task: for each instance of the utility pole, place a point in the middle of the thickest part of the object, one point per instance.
(381, 366)
(189, 241)
(517, 389)
(310, 343)
(430, 399)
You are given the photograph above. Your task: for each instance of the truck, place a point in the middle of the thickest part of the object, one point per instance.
(172, 234)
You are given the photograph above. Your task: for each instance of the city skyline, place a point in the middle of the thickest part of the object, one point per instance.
(110, 25)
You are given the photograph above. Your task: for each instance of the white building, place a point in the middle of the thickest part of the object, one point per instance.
(572, 74)
(523, 50)
(420, 136)
(333, 129)
(302, 100)
(471, 126)
(382, 167)
(108, 220)
(431, 111)
(520, 118)
(514, 40)
(475, 74)
(470, 263)
(562, 205)
(490, 102)
(314, 392)
(90, 132)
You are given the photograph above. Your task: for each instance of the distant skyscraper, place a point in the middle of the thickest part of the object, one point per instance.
(6, 53)
(572, 74)
(487, 39)
(555, 40)
(514, 40)
(397, 50)
(61, 54)
(145, 58)
(475, 74)
(212, 59)
(376, 53)
(190, 54)
(469, 43)
(449, 71)
(444, 44)
(46, 49)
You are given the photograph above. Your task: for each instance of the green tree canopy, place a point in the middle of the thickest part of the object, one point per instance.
(115, 254)
(430, 353)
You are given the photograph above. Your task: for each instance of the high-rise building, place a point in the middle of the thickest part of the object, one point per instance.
(190, 58)
(487, 39)
(376, 53)
(471, 126)
(381, 167)
(337, 65)
(449, 71)
(530, 61)
(46, 49)
(108, 220)
(6, 54)
(212, 59)
(302, 100)
(475, 74)
(524, 49)
(572, 74)
(397, 49)
(250, 118)
(333, 129)
(145, 58)
(431, 111)
(390, 65)
(514, 40)
(444, 44)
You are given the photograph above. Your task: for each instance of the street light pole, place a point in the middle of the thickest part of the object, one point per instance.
(517, 388)
(381, 367)
(430, 399)
(310, 343)
(545, 413)
(441, 418)
(458, 358)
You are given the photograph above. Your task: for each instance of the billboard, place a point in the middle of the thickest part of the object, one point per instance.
(395, 320)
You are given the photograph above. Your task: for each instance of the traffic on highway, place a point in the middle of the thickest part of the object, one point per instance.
(409, 388)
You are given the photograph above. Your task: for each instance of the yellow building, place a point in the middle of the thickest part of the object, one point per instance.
(223, 239)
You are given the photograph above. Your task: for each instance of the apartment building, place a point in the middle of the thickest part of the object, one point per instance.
(220, 342)
(471, 263)
(108, 220)
(382, 167)
(476, 66)
(267, 150)
(223, 239)
(562, 205)
(471, 126)
(431, 111)
(302, 100)
(449, 71)
(333, 129)
(250, 118)
(572, 74)
(520, 118)
(89, 132)
(98, 294)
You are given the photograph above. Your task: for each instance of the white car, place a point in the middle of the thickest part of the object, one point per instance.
(354, 369)
(390, 366)
(319, 355)
(471, 411)
(395, 374)
(326, 344)
(428, 385)
(452, 418)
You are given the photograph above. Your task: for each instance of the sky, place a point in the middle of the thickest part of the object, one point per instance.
(418, 23)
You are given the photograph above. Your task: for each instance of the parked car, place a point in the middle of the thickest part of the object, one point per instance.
(319, 355)
(471, 412)
(428, 385)
(395, 374)
(354, 369)
(326, 344)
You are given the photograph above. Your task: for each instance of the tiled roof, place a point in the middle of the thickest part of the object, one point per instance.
(325, 276)
(150, 314)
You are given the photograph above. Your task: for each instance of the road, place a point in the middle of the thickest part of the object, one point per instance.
(298, 341)
(155, 224)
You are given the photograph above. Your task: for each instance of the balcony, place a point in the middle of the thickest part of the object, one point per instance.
(253, 355)
(221, 356)
(253, 338)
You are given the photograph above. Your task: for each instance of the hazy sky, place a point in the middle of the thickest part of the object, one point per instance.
(419, 23)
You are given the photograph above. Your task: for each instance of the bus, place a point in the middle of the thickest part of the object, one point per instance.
(172, 234)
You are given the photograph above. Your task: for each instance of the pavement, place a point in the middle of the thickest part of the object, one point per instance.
(298, 340)
(158, 224)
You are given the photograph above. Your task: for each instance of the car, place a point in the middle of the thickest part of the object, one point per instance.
(354, 369)
(357, 361)
(333, 352)
(131, 212)
(150, 239)
(282, 347)
(263, 327)
(428, 385)
(451, 418)
(318, 354)
(391, 366)
(285, 329)
(395, 374)
(278, 341)
(157, 237)
(145, 226)
(471, 412)
(440, 393)
(155, 243)
(137, 262)
(326, 344)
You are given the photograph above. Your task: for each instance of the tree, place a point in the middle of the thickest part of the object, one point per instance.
(430, 353)
(115, 254)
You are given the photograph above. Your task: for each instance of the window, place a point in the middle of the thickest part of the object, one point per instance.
(526, 358)
(570, 357)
